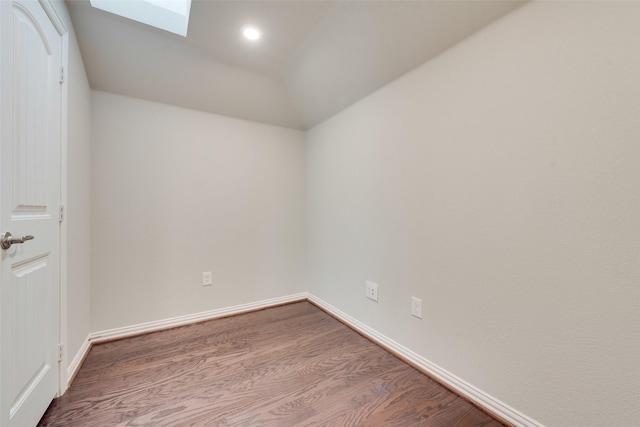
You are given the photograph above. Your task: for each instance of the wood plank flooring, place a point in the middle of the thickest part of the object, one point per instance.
(287, 366)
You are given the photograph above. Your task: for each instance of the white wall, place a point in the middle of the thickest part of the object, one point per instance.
(77, 198)
(177, 192)
(499, 182)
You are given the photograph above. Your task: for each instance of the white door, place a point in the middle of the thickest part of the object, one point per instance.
(31, 57)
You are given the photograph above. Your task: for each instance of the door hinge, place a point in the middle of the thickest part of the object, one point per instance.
(60, 352)
(62, 75)
(61, 214)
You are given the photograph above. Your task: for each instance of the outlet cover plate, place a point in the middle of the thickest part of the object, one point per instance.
(416, 307)
(206, 278)
(371, 291)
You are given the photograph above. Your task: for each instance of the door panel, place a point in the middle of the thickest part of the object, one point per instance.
(29, 337)
(30, 181)
(32, 57)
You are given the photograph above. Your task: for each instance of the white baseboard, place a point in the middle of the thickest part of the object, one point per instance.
(76, 363)
(460, 386)
(158, 325)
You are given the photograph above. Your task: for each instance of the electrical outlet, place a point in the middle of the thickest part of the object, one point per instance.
(416, 307)
(371, 291)
(206, 278)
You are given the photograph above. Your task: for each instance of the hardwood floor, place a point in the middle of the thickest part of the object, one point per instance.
(287, 366)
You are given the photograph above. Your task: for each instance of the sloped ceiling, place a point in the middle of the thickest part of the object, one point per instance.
(315, 57)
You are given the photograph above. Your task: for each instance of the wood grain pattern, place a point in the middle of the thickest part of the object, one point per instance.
(287, 366)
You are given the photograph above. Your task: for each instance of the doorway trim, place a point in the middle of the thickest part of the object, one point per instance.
(62, 29)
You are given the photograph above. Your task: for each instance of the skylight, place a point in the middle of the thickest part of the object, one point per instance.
(168, 15)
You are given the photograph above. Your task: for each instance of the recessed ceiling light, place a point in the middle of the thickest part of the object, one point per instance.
(251, 33)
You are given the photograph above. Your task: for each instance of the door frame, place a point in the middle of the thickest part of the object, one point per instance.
(60, 26)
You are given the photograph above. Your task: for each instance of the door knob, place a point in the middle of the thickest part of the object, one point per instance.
(7, 240)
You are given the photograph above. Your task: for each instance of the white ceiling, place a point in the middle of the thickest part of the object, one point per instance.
(315, 57)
